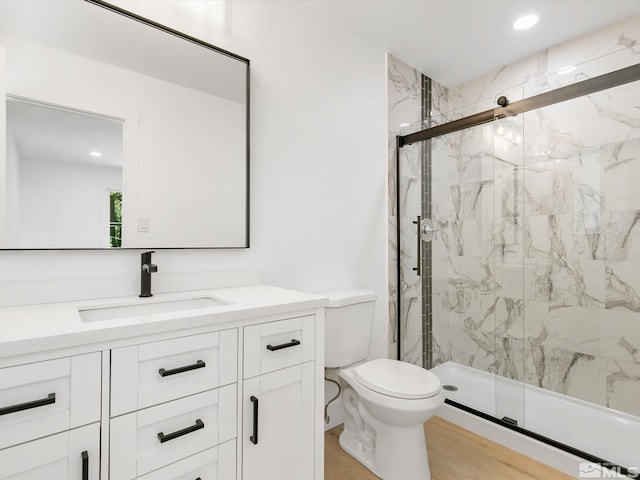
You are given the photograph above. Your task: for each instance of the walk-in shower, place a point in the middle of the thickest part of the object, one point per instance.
(526, 302)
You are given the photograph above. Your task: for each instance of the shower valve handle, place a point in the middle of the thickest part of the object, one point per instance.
(428, 230)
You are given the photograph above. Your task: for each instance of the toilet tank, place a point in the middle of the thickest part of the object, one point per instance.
(348, 322)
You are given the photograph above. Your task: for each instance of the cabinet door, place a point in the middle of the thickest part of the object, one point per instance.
(38, 399)
(278, 424)
(72, 455)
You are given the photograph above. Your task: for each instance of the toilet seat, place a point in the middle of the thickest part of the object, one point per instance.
(397, 379)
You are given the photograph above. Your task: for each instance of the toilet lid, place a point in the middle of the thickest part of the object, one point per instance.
(397, 379)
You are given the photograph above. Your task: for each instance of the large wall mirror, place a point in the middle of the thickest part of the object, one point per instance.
(118, 133)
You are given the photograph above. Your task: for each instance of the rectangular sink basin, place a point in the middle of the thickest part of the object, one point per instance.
(123, 311)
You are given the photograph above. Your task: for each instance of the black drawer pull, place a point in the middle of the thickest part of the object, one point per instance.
(292, 343)
(51, 398)
(186, 368)
(170, 436)
(85, 465)
(254, 438)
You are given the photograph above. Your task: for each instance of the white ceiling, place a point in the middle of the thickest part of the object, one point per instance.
(51, 134)
(453, 41)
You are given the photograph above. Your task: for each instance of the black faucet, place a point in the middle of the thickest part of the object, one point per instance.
(147, 268)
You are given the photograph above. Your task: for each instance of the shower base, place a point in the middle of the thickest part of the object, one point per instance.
(603, 434)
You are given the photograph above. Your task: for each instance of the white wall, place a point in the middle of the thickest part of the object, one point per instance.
(192, 199)
(318, 165)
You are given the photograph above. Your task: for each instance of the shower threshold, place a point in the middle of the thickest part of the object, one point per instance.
(594, 433)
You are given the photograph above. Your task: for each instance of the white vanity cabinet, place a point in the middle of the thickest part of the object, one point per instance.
(279, 400)
(227, 394)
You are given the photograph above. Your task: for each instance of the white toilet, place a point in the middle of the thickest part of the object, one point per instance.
(385, 401)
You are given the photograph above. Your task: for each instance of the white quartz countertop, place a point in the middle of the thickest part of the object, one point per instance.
(37, 328)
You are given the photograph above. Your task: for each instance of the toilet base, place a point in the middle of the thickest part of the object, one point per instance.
(386, 433)
(391, 453)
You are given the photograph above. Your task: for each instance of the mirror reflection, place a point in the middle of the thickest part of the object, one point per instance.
(165, 118)
(63, 178)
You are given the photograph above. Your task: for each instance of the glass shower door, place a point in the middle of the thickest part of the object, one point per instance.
(582, 208)
(461, 299)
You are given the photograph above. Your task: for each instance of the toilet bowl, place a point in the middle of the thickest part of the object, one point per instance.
(386, 401)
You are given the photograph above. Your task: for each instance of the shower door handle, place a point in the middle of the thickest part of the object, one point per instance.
(419, 249)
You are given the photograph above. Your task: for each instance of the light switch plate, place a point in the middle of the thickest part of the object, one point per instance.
(144, 224)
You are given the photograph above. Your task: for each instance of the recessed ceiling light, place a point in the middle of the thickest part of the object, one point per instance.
(95, 154)
(527, 21)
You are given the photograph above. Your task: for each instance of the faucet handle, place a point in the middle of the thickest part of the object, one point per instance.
(145, 257)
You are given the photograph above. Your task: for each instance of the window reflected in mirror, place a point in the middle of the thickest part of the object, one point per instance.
(115, 219)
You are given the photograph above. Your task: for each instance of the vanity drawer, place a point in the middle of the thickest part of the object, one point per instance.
(157, 372)
(217, 463)
(144, 441)
(43, 398)
(275, 345)
(57, 457)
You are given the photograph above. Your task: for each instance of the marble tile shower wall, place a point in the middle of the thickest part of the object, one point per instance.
(404, 108)
(536, 275)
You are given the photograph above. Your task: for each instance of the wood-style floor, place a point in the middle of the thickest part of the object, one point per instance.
(454, 454)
